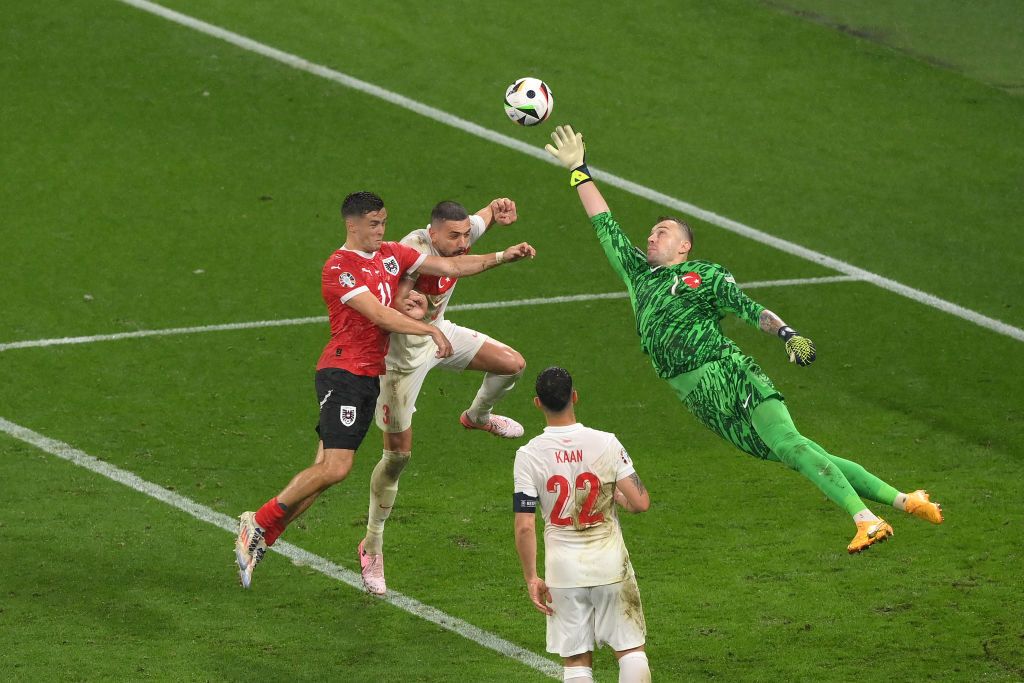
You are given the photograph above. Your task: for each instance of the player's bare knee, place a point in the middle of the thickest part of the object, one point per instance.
(398, 442)
(335, 473)
(511, 363)
(582, 659)
(619, 654)
(335, 468)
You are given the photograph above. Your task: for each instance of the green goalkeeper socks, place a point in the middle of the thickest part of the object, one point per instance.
(866, 484)
(774, 425)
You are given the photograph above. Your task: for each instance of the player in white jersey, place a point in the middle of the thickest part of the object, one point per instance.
(452, 231)
(588, 592)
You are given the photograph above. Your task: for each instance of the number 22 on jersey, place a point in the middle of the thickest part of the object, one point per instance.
(586, 481)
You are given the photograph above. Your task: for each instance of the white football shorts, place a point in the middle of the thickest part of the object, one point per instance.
(399, 390)
(585, 618)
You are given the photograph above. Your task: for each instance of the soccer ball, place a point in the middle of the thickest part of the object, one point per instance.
(528, 101)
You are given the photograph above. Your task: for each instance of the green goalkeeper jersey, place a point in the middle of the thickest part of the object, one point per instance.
(678, 308)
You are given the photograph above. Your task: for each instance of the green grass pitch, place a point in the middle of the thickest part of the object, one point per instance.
(155, 177)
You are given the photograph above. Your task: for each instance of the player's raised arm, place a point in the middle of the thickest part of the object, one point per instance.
(393, 321)
(472, 264)
(501, 211)
(570, 152)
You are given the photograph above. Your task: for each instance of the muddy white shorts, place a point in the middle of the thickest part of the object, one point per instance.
(586, 618)
(400, 389)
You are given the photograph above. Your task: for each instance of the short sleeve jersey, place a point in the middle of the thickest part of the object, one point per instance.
(409, 351)
(573, 471)
(356, 344)
(678, 308)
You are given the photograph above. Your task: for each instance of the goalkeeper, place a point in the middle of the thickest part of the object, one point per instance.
(678, 304)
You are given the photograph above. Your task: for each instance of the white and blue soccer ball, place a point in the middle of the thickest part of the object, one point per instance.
(528, 101)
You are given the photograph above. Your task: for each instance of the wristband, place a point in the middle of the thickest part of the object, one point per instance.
(499, 256)
(579, 175)
(785, 332)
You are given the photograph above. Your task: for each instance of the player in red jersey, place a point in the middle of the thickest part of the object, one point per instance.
(359, 282)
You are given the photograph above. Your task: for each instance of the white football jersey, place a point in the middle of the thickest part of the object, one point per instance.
(573, 471)
(409, 351)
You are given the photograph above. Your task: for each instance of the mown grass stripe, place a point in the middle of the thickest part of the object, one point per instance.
(292, 552)
(255, 324)
(637, 189)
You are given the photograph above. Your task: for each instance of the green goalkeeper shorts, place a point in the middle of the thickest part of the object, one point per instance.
(723, 393)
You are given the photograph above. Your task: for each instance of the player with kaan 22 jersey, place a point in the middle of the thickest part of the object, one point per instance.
(580, 476)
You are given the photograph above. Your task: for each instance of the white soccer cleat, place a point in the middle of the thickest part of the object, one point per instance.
(372, 569)
(499, 425)
(245, 575)
(250, 547)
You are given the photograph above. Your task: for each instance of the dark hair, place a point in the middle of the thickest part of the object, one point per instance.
(360, 204)
(554, 388)
(683, 225)
(447, 211)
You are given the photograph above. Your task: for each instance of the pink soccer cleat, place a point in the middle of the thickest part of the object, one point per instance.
(499, 425)
(372, 569)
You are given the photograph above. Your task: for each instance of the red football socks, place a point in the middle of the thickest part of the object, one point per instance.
(271, 518)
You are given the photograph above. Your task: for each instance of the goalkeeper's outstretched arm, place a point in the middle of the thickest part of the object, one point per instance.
(769, 322)
(626, 260)
(800, 349)
(570, 152)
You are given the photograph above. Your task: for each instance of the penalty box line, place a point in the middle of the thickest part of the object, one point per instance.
(255, 324)
(296, 554)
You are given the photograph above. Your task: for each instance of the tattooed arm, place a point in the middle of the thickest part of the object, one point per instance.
(770, 323)
(631, 494)
(800, 349)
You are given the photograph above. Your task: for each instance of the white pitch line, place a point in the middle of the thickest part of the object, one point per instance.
(292, 552)
(168, 332)
(440, 116)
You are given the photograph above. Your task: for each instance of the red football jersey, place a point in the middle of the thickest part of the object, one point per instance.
(356, 344)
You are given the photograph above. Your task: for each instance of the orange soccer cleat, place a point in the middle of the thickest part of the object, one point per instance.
(920, 505)
(869, 533)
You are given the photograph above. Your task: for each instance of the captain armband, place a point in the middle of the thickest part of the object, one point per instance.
(522, 502)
